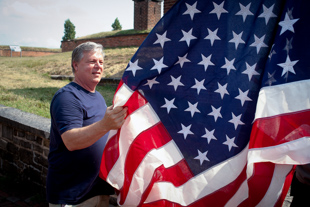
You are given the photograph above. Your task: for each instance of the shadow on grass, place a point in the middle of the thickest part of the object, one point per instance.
(40, 94)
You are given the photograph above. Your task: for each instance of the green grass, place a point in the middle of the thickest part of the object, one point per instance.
(25, 82)
(114, 33)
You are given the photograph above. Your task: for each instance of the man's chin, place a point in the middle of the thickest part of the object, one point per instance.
(96, 80)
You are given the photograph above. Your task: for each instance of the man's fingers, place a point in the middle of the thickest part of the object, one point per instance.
(117, 112)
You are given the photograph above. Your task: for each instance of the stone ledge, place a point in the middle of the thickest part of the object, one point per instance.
(26, 121)
(103, 81)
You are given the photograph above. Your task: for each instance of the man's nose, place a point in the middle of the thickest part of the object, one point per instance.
(98, 64)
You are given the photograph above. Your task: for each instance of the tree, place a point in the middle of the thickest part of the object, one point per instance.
(69, 33)
(116, 25)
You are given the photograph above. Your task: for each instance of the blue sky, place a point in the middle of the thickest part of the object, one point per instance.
(40, 23)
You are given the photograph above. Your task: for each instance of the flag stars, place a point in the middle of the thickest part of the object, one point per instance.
(288, 45)
(133, 67)
(237, 39)
(236, 120)
(206, 61)
(199, 85)
(259, 43)
(159, 65)
(161, 39)
(212, 36)
(191, 10)
(288, 66)
(169, 105)
(187, 36)
(216, 113)
(202, 157)
(183, 60)
(243, 96)
(271, 79)
(267, 13)
(192, 108)
(222, 90)
(272, 52)
(250, 71)
(218, 9)
(175, 82)
(229, 65)
(151, 82)
(287, 24)
(230, 142)
(290, 13)
(244, 11)
(185, 130)
(209, 135)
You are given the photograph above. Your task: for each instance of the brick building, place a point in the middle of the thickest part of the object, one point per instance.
(146, 15)
(148, 12)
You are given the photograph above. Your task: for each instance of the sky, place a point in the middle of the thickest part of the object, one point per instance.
(40, 23)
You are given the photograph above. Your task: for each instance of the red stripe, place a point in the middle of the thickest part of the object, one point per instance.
(178, 175)
(111, 151)
(278, 130)
(119, 86)
(259, 183)
(286, 187)
(109, 156)
(218, 198)
(153, 138)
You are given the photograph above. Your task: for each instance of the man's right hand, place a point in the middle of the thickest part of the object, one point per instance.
(114, 117)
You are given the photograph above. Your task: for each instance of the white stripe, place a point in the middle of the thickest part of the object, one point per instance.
(168, 155)
(111, 134)
(139, 121)
(284, 98)
(239, 196)
(290, 153)
(122, 95)
(201, 185)
(120, 98)
(275, 188)
(293, 152)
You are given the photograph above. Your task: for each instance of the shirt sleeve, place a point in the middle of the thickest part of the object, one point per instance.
(67, 112)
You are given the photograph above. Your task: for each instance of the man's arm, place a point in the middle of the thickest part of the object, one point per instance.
(80, 138)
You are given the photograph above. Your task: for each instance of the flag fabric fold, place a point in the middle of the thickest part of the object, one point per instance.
(218, 103)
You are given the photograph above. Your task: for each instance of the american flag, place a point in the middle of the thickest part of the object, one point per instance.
(218, 100)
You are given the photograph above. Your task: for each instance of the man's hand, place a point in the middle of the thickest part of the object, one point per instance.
(80, 138)
(114, 117)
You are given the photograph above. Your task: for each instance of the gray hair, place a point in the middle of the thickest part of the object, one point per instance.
(78, 52)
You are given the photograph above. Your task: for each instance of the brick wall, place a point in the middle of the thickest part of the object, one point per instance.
(107, 42)
(7, 53)
(146, 14)
(168, 4)
(24, 145)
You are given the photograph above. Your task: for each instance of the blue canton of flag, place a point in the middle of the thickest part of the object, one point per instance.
(210, 91)
(202, 72)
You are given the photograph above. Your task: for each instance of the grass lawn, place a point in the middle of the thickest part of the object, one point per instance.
(25, 82)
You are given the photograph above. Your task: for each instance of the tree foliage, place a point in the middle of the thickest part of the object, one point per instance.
(69, 31)
(116, 25)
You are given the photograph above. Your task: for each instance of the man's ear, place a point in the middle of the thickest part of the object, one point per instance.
(75, 66)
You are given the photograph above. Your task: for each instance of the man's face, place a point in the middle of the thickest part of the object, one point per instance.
(89, 69)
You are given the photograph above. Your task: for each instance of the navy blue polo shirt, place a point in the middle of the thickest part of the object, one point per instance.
(73, 176)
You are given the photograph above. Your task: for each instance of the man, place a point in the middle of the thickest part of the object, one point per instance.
(300, 187)
(80, 122)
